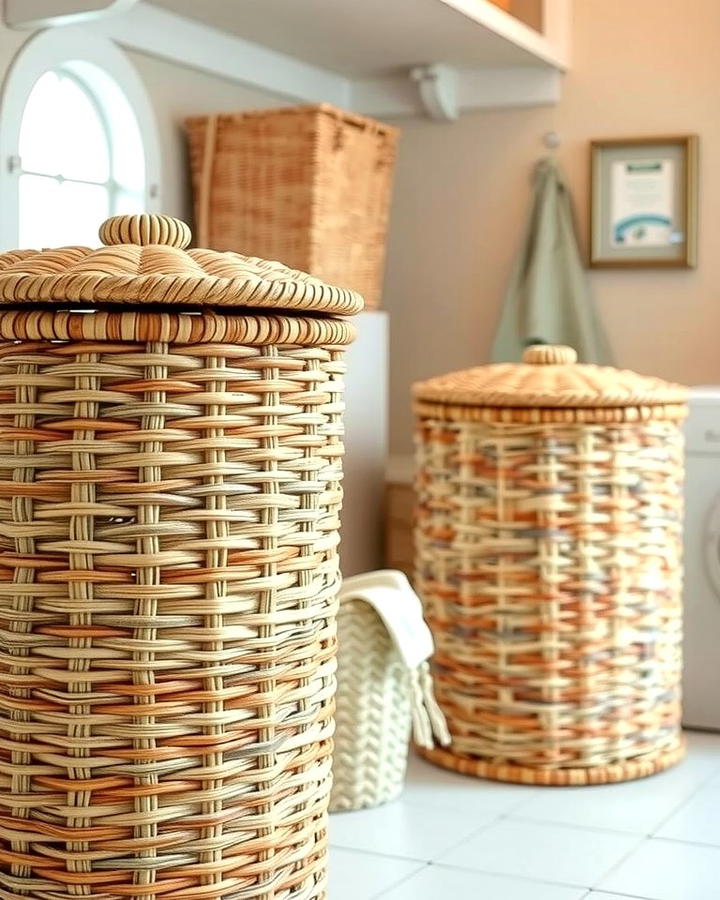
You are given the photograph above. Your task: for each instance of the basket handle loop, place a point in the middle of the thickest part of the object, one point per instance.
(205, 183)
(339, 136)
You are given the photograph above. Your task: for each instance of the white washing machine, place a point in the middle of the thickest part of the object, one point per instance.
(701, 680)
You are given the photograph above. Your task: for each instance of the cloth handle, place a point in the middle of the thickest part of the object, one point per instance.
(401, 613)
(389, 593)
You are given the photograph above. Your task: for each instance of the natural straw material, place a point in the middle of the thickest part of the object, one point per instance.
(135, 267)
(548, 378)
(310, 185)
(169, 502)
(548, 559)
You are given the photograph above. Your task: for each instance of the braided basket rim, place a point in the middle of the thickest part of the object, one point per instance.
(206, 327)
(629, 770)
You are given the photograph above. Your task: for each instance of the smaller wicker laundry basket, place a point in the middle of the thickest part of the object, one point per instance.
(384, 689)
(548, 558)
(309, 185)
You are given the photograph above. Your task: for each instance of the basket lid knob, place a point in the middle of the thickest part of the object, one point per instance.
(145, 229)
(549, 355)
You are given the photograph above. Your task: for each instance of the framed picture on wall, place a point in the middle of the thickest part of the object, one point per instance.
(643, 202)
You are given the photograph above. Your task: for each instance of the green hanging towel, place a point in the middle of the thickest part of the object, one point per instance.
(548, 300)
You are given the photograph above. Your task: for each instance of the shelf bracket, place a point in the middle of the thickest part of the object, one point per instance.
(437, 84)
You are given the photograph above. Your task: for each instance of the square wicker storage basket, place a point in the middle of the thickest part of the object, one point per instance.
(309, 185)
(548, 558)
(170, 470)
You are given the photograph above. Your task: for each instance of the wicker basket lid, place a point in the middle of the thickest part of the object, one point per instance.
(549, 377)
(144, 260)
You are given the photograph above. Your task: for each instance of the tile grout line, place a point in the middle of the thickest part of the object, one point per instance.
(452, 807)
(616, 894)
(516, 817)
(642, 839)
(493, 821)
(425, 864)
(487, 873)
(517, 877)
(422, 865)
(669, 840)
(514, 876)
(421, 860)
(361, 852)
(687, 799)
(576, 827)
(513, 814)
(385, 891)
(651, 835)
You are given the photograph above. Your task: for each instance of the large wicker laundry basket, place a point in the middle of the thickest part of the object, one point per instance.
(309, 185)
(169, 498)
(548, 549)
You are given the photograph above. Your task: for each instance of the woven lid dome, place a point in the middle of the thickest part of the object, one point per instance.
(548, 377)
(144, 260)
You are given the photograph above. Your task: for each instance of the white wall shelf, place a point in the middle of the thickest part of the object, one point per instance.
(358, 55)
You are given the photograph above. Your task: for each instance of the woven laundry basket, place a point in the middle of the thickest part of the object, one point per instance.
(309, 185)
(548, 549)
(384, 689)
(169, 498)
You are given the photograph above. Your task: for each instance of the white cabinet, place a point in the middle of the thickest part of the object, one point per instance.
(366, 436)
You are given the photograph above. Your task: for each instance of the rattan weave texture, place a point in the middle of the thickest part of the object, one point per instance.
(549, 562)
(135, 267)
(548, 379)
(310, 185)
(170, 487)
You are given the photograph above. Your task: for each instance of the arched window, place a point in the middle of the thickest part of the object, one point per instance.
(72, 174)
(79, 141)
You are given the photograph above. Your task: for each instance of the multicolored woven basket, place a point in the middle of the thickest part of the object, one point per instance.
(548, 547)
(170, 473)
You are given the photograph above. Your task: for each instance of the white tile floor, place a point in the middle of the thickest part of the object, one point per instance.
(449, 836)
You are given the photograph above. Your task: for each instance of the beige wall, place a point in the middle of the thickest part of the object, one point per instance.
(641, 67)
(10, 43)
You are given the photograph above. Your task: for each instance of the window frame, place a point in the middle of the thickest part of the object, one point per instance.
(80, 53)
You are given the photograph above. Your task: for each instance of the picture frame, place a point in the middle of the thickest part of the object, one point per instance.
(643, 202)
